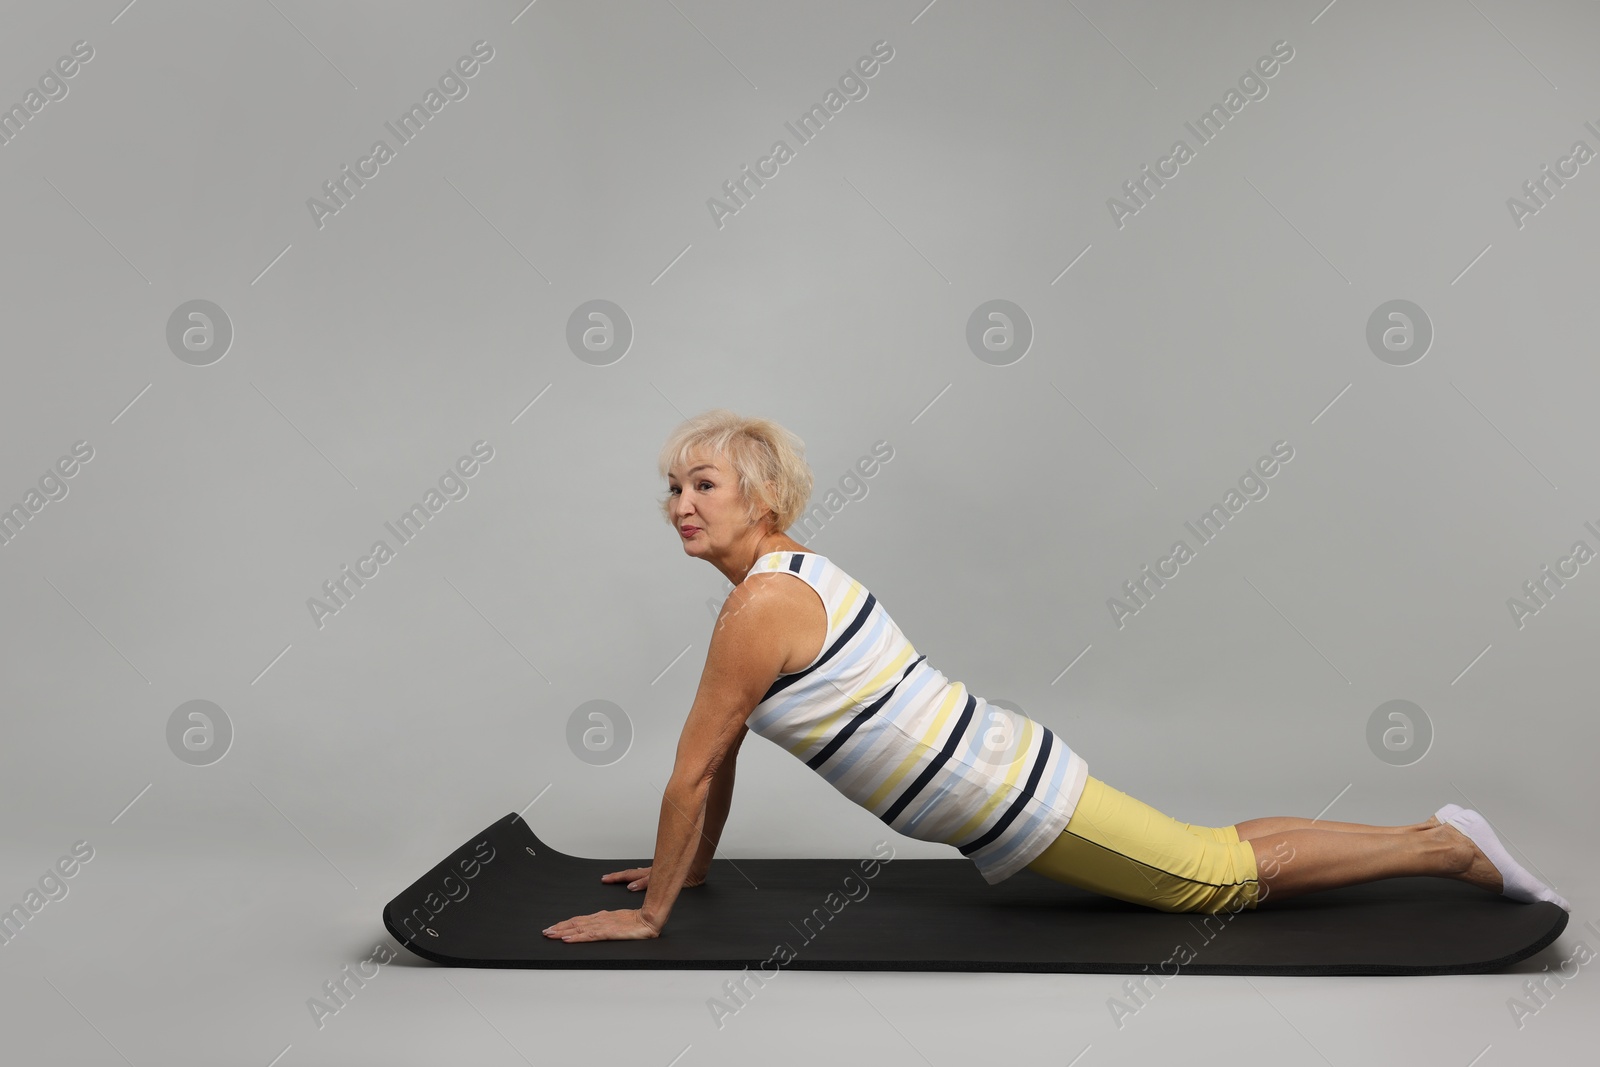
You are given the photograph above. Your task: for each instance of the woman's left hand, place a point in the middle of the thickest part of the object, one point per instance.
(628, 924)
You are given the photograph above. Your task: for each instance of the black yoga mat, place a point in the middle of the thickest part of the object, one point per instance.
(485, 904)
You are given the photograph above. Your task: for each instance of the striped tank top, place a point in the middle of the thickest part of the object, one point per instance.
(928, 758)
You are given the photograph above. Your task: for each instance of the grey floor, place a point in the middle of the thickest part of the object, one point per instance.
(210, 957)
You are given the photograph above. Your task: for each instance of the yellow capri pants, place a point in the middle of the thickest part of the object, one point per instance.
(1123, 848)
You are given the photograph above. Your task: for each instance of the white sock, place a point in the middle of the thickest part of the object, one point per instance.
(1518, 884)
(1444, 813)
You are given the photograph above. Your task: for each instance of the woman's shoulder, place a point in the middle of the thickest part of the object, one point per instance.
(795, 612)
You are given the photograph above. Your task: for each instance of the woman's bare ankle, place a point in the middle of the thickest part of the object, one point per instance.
(1468, 863)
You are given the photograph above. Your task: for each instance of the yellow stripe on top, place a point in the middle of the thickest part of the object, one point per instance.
(846, 605)
(955, 697)
(873, 686)
(995, 799)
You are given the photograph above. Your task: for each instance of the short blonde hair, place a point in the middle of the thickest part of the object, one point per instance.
(768, 462)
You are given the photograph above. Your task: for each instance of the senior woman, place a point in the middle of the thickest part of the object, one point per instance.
(804, 655)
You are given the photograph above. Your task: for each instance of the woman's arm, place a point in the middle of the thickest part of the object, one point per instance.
(749, 648)
(683, 809)
(718, 802)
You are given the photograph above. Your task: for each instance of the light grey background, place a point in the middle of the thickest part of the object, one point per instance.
(369, 354)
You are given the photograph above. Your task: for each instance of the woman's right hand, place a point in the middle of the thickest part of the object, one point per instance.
(639, 878)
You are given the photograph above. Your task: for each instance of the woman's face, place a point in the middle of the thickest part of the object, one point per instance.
(706, 508)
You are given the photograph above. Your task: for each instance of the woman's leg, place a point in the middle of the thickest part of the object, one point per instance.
(1121, 847)
(1296, 861)
(1273, 824)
